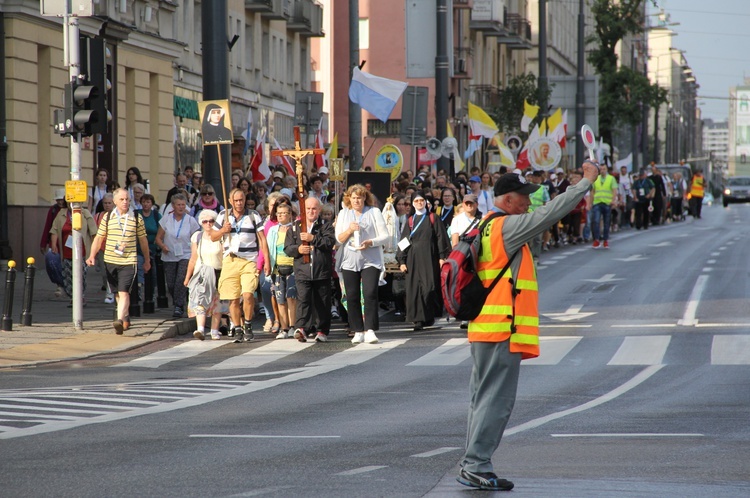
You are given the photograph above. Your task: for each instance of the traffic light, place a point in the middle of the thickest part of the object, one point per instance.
(78, 115)
(93, 57)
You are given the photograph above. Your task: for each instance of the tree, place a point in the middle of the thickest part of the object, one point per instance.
(623, 91)
(508, 113)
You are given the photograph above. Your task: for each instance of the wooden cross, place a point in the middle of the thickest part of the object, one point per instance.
(298, 154)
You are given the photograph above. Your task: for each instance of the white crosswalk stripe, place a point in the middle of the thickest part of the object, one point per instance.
(641, 350)
(730, 350)
(182, 351)
(553, 349)
(255, 358)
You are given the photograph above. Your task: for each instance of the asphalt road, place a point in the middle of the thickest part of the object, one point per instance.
(641, 390)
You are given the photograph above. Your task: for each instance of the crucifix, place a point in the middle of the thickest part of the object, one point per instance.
(298, 154)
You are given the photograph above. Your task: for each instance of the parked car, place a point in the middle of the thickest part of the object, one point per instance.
(736, 189)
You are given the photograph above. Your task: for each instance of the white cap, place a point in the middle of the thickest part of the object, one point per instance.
(59, 193)
(323, 170)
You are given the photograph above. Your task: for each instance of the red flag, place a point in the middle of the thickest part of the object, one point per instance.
(284, 160)
(258, 165)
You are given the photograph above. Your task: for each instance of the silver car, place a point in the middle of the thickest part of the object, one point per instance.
(737, 189)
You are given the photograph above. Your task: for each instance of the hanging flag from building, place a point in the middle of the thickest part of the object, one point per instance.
(283, 159)
(248, 131)
(481, 123)
(376, 95)
(259, 169)
(529, 113)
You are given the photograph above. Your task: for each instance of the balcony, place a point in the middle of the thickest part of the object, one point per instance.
(518, 35)
(269, 9)
(488, 16)
(463, 4)
(485, 96)
(306, 18)
(463, 62)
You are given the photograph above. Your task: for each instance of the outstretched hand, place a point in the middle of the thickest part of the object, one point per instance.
(590, 171)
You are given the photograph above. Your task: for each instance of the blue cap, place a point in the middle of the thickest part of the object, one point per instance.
(475, 179)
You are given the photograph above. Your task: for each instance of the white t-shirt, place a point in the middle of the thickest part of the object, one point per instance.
(242, 241)
(461, 222)
(177, 236)
(210, 252)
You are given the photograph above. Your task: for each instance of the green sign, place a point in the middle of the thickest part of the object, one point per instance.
(186, 108)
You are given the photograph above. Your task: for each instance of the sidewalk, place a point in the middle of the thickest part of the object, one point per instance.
(52, 337)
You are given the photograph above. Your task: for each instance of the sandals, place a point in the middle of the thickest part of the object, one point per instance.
(276, 327)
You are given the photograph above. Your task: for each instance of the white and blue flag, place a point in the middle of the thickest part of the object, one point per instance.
(376, 95)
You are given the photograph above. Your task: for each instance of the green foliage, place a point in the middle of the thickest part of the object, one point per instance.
(623, 91)
(509, 112)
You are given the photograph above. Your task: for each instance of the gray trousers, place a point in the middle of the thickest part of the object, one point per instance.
(494, 382)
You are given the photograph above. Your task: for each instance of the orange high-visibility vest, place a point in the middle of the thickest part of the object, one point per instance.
(501, 318)
(696, 186)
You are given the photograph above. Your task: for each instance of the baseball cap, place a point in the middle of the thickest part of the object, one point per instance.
(287, 192)
(559, 170)
(278, 174)
(323, 171)
(470, 198)
(510, 182)
(475, 179)
(59, 193)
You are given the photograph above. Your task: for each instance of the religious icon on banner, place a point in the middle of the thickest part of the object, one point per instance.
(216, 123)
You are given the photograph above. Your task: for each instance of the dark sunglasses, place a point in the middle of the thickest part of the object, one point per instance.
(207, 221)
(208, 193)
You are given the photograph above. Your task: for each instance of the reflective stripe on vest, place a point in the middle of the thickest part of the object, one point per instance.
(494, 321)
(696, 187)
(603, 190)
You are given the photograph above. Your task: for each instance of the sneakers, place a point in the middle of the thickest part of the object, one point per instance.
(359, 338)
(606, 244)
(238, 334)
(483, 480)
(321, 337)
(596, 244)
(110, 299)
(215, 335)
(283, 334)
(370, 337)
(249, 336)
(198, 335)
(299, 334)
(334, 313)
(177, 312)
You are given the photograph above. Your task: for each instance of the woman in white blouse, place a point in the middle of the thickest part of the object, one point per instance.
(202, 276)
(361, 231)
(173, 238)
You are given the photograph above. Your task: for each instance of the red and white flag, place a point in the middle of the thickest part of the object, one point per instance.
(320, 160)
(259, 165)
(522, 162)
(284, 160)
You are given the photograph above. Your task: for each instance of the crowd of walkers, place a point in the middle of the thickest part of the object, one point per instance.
(374, 255)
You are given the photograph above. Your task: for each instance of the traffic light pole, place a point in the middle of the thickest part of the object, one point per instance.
(72, 58)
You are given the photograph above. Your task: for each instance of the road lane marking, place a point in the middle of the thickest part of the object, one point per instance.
(259, 436)
(688, 318)
(182, 351)
(641, 377)
(361, 470)
(358, 354)
(641, 350)
(635, 434)
(255, 358)
(730, 350)
(439, 451)
(553, 350)
(452, 352)
(644, 325)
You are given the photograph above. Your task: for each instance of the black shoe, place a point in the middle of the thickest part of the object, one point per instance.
(249, 336)
(238, 334)
(429, 323)
(178, 311)
(483, 480)
(464, 325)
(418, 326)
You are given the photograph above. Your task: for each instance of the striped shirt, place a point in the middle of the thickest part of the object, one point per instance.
(122, 235)
(242, 240)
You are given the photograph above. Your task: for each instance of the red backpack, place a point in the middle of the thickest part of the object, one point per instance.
(463, 291)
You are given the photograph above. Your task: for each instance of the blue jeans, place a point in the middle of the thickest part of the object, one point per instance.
(597, 212)
(265, 294)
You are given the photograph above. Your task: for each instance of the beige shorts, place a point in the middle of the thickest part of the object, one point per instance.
(238, 276)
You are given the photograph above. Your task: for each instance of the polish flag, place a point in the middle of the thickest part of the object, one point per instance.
(259, 165)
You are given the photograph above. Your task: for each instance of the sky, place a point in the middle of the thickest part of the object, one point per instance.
(715, 37)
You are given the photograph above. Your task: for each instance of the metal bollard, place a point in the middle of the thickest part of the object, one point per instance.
(28, 292)
(161, 285)
(148, 294)
(10, 283)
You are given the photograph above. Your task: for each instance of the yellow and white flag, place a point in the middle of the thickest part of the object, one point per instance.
(481, 123)
(529, 113)
(458, 163)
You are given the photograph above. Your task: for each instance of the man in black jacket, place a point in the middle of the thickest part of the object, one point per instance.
(313, 279)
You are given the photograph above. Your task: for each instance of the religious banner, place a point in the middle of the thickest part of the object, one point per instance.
(216, 123)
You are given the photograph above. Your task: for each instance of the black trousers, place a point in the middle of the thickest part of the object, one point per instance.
(369, 278)
(641, 215)
(313, 300)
